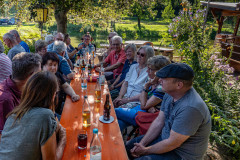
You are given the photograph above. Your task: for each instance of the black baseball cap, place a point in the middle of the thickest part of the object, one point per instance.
(176, 70)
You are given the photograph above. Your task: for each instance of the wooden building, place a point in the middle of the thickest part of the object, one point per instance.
(220, 11)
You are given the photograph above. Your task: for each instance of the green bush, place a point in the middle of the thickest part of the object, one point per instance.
(213, 76)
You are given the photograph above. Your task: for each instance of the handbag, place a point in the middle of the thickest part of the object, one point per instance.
(144, 120)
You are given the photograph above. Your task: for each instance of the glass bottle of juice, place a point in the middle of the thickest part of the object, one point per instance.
(86, 113)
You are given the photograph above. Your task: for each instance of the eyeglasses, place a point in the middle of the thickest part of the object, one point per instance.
(150, 69)
(142, 55)
(118, 44)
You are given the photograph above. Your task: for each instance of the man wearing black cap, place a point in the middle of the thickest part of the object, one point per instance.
(182, 129)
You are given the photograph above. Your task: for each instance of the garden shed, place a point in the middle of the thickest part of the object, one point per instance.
(220, 11)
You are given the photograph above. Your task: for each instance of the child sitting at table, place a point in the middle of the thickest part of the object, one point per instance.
(50, 62)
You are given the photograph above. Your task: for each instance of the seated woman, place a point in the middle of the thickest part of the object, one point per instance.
(31, 131)
(135, 80)
(70, 49)
(115, 87)
(41, 47)
(50, 63)
(150, 97)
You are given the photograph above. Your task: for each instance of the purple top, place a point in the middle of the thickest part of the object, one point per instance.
(9, 98)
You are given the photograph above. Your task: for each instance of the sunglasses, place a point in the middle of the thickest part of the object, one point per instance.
(142, 55)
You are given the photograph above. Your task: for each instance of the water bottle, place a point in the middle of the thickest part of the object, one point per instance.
(84, 80)
(95, 146)
(101, 75)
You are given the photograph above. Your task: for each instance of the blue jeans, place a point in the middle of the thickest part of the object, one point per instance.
(165, 156)
(126, 116)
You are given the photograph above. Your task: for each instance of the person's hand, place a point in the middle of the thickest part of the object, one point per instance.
(111, 87)
(123, 101)
(116, 101)
(97, 69)
(61, 135)
(152, 110)
(140, 150)
(75, 97)
(133, 152)
(80, 46)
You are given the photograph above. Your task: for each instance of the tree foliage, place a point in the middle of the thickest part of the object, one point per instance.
(168, 12)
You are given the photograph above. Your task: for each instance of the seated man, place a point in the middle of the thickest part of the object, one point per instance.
(110, 48)
(60, 37)
(49, 39)
(183, 123)
(22, 43)
(41, 47)
(23, 66)
(5, 64)
(85, 46)
(115, 59)
(60, 47)
(11, 42)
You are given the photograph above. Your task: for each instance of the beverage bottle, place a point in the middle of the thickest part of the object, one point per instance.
(83, 64)
(95, 146)
(84, 79)
(89, 68)
(97, 91)
(101, 75)
(107, 109)
(86, 114)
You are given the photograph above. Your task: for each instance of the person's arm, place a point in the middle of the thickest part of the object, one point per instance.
(121, 94)
(152, 102)
(49, 149)
(72, 53)
(174, 141)
(70, 63)
(119, 84)
(112, 67)
(71, 76)
(69, 91)
(61, 136)
(127, 100)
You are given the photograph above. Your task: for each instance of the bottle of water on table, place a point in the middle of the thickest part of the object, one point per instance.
(84, 79)
(95, 146)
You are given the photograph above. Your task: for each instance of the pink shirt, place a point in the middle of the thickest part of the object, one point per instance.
(114, 58)
(9, 99)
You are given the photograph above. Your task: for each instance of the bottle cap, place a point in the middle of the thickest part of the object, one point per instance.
(95, 130)
(85, 96)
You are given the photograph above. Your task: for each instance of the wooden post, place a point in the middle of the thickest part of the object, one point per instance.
(236, 26)
(220, 24)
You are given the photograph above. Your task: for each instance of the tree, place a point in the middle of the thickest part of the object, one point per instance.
(168, 12)
(76, 11)
(142, 9)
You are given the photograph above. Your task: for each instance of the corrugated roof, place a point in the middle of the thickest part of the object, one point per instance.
(222, 5)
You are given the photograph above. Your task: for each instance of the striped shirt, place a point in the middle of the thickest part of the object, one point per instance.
(5, 67)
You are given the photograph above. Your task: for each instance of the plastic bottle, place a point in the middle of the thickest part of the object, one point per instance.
(95, 146)
(84, 79)
(101, 75)
(86, 113)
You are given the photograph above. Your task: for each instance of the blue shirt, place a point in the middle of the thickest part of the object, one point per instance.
(89, 49)
(125, 69)
(50, 49)
(25, 46)
(70, 49)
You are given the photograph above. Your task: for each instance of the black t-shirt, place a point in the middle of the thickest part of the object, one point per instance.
(61, 95)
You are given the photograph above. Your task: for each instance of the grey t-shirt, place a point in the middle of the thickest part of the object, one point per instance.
(24, 138)
(188, 116)
(15, 50)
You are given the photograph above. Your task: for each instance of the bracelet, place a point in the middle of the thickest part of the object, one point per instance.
(145, 90)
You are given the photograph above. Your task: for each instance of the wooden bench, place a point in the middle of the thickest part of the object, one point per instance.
(164, 51)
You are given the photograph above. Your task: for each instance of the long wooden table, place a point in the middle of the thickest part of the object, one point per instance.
(109, 134)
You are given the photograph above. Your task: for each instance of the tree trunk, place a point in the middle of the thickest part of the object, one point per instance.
(139, 23)
(61, 18)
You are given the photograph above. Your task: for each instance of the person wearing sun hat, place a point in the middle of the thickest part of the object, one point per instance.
(182, 128)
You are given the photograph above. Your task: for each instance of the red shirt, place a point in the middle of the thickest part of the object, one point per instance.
(9, 99)
(113, 58)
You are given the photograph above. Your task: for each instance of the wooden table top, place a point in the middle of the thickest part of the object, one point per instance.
(109, 134)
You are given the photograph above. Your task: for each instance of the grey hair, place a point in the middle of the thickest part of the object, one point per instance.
(114, 33)
(49, 38)
(1, 47)
(132, 46)
(39, 44)
(9, 36)
(24, 65)
(118, 38)
(157, 62)
(148, 50)
(15, 33)
(58, 34)
(59, 46)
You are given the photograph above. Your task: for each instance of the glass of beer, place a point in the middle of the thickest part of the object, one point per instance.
(82, 139)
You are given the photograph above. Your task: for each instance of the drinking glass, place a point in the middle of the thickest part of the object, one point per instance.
(82, 139)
